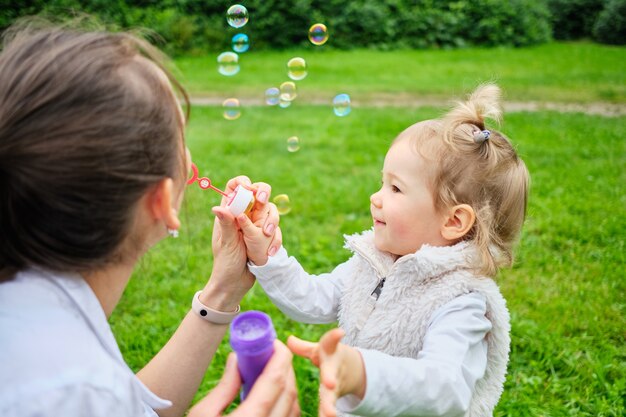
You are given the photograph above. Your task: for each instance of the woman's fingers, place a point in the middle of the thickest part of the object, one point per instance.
(295, 406)
(262, 192)
(269, 386)
(239, 180)
(220, 397)
(232, 184)
(285, 405)
(226, 228)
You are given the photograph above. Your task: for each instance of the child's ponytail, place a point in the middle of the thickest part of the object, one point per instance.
(483, 103)
(479, 166)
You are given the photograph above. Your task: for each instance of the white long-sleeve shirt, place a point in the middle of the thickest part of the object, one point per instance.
(439, 382)
(58, 356)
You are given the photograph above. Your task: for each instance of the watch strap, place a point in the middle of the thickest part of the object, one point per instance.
(210, 315)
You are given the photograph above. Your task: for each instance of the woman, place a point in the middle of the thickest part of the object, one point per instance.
(92, 171)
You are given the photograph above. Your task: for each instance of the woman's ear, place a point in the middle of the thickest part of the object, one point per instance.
(459, 221)
(161, 204)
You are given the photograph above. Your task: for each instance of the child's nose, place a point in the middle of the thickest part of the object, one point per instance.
(375, 199)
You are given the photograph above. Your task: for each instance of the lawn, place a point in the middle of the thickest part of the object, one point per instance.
(566, 291)
(561, 72)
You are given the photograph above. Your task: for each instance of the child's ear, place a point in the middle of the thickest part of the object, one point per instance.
(458, 222)
(161, 204)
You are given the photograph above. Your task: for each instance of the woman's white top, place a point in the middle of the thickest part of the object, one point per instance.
(58, 356)
(428, 385)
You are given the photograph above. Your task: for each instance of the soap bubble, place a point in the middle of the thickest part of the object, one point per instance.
(296, 68)
(288, 91)
(231, 109)
(293, 144)
(282, 204)
(318, 34)
(341, 105)
(228, 63)
(272, 96)
(283, 104)
(240, 43)
(237, 16)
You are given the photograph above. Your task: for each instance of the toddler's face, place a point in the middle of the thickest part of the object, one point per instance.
(403, 209)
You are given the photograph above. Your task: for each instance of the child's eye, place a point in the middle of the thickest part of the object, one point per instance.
(395, 189)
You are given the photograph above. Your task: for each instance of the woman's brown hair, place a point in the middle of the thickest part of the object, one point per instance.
(87, 124)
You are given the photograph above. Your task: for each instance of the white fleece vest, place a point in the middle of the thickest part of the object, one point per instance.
(415, 286)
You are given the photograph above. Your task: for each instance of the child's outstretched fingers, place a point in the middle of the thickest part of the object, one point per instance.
(330, 340)
(329, 361)
(328, 398)
(309, 350)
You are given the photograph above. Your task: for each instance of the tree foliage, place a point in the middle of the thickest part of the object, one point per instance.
(189, 26)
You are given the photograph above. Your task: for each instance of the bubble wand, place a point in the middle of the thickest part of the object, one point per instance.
(240, 201)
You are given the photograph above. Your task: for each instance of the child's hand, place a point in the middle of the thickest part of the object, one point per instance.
(262, 239)
(261, 233)
(341, 368)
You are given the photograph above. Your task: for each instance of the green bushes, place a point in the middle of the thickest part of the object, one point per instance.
(195, 26)
(574, 19)
(600, 20)
(610, 27)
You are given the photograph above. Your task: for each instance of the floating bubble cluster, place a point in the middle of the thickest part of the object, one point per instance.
(341, 105)
(237, 16)
(296, 68)
(318, 34)
(240, 43)
(231, 109)
(272, 96)
(282, 204)
(288, 91)
(228, 63)
(293, 144)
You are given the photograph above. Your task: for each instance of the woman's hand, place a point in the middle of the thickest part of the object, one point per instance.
(274, 393)
(230, 278)
(341, 368)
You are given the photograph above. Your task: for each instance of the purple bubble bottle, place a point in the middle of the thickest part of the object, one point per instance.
(252, 338)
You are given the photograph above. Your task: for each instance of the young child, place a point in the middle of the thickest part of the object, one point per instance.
(426, 328)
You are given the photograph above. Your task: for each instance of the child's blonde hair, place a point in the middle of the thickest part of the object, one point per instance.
(486, 174)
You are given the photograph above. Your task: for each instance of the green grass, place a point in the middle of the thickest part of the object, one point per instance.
(559, 72)
(566, 291)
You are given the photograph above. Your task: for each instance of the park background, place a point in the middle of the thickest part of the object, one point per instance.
(562, 66)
